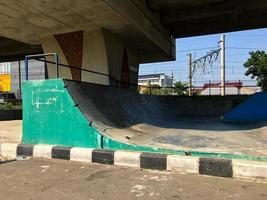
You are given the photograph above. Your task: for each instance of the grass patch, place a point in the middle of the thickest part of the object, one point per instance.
(10, 106)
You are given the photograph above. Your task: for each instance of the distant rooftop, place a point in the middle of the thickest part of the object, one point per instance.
(150, 75)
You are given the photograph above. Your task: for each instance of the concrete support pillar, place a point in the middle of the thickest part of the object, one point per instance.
(50, 45)
(98, 51)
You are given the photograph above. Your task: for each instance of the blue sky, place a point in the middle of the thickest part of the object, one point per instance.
(238, 46)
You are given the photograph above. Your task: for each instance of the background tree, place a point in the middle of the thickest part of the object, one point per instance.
(180, 88)
(156, 90)
(257, 68)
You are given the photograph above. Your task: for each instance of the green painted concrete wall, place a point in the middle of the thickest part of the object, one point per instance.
(51, 117)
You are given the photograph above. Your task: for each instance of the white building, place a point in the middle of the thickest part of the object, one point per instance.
(4, 68)
(161, 80)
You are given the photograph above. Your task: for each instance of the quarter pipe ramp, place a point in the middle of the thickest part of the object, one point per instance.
(77, 114)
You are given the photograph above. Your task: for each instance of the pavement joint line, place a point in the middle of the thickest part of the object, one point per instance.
(227, 168)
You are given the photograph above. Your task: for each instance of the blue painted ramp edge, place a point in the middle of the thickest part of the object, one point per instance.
(252, 110)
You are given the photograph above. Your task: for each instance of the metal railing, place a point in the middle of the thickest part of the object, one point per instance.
(58, 64)
(198, 89)
(28, 57)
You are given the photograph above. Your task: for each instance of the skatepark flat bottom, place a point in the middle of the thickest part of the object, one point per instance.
(185, 134)
(179, 123)
(198, 135)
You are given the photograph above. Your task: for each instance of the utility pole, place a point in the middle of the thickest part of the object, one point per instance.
(172, 78)
(222, 44)
(172, 82)
(190, 73)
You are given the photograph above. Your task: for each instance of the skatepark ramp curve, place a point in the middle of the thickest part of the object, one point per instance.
(252, 110)
(79, 114)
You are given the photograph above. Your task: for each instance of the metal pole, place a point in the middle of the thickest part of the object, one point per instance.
(19, 79)
(26, 68)
(222, 65)
(239, 87)
(209, 88)
(41, 55)
(172, 82)
(190, 74)
(56, 61)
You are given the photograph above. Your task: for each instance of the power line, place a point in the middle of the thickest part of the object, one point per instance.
(238, 48)
(186, 68)
(248, 35)
(165, 63)
(246, 48)
(186, 50)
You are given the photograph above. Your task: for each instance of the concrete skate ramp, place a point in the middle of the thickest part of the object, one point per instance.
(252, 110)
(191, 124)
(112, 107)
(75, 114)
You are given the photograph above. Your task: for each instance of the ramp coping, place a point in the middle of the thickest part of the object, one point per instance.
(227, 168)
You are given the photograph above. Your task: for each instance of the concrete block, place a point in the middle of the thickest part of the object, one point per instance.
(24, 150)
(185, 164)
(42, 151)
(81, 154)
(248, 170)
(61, 152)
(9, 150)
(216, 167)
(153, 161)
(124, 158)
(103, 156)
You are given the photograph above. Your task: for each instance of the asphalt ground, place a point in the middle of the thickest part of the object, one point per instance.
(11, 131)
(59, 179)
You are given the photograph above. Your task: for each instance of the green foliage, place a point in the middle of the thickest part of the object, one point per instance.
(180, 88)
(157, 90)
(257, 68)
(9, 106)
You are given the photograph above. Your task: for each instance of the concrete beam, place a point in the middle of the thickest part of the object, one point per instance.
(30, 21)
(11, 50)
(144, 21)
(219, 25)
(207, 11)
(148, 26)
(234, 15)
(167, 5)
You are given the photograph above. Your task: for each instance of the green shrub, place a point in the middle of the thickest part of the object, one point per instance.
(9, 106)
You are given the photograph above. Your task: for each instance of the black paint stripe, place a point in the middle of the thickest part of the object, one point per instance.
(61, 152)
(24, 150)
(153, 161)
(103, 156)
(216, 167)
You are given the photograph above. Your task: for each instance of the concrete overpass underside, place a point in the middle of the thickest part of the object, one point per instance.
(198, 17)
(115, 36)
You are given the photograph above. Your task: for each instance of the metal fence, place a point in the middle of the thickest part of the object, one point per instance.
(205, 88)
(17, 72)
